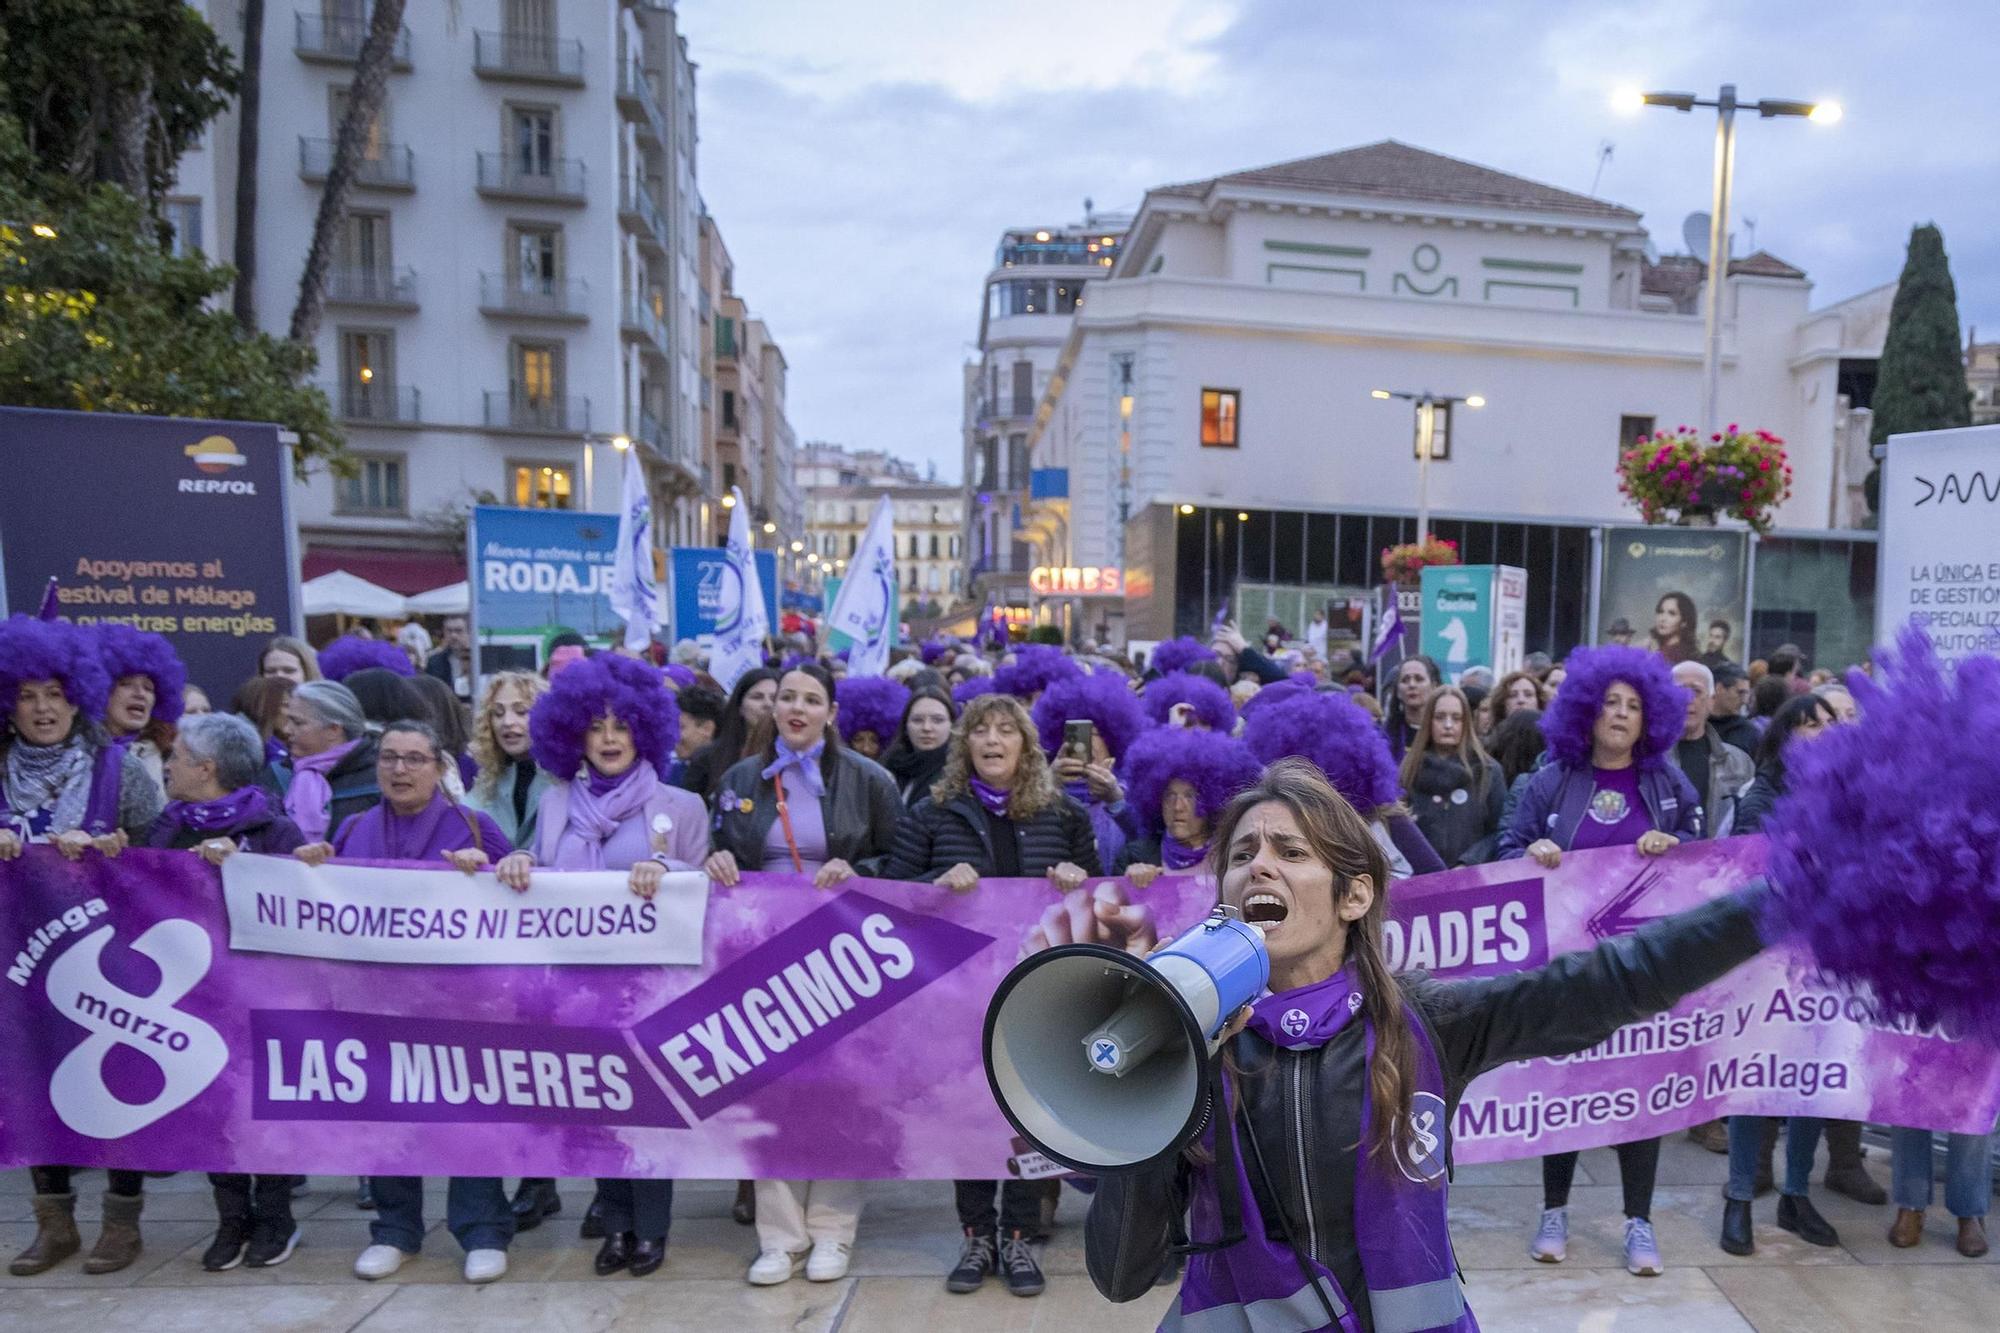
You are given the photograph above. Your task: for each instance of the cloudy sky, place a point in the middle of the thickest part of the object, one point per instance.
(863, 157)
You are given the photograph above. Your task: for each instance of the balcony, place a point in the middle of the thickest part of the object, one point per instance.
(521, 296)
(638, 101)
(640, 213)
(639, 321)
(330, 39)
(536, 414)
(379, 288)
(389, 166)
(379, 402)
(528, 58)
(553, 181)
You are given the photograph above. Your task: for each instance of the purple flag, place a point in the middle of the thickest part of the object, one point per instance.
(50, 610)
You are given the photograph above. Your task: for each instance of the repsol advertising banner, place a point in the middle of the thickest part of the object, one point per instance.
(168, 524)
(157, 1014)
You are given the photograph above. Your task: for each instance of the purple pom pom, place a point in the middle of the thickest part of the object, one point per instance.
(1885, 853)
(870, 703)
(129, 652)
(934, 651)
(1276, 693)
(1337, 737)
(32, 650)
(1102, 696)
(1035, 667)
(584, 691)
(351, 653)
(1212, 705)
(1210, 762)
(1589, 673)
(1179, 654)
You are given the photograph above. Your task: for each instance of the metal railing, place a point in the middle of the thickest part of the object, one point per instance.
(552, 178)
(634, 85)
(528, 55)
(637, 199)
(513, 410)
(361, 285)
(391, 166)
(521, 294)
(339, 37)
(379, 400)
(640, 316)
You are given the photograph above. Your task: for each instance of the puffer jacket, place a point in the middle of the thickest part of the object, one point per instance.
(933, 838)
(1453, 812)
(1305, 1105)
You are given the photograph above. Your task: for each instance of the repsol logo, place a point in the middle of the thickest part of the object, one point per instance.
(1965, 490)
(215, 486)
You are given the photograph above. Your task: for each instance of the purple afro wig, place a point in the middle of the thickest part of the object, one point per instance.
(1589, 672)
(1104, 698)
(1211, 703)
(798, 660)
(680, 675)
(130, 652)
(1276, 693)
(581, 693)
(1210, 762)
(934, 651)
(1035, 667)
(1180, 654)
(1338, 738)
(971, 688)
(55, 650)
(1885, 852)
(351, 653)
(870, 703)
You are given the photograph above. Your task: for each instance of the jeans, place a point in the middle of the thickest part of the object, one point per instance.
(1968, 1171)
(643, 1207)
(1638, 1165)
(1746, 1149)
(1020, 1205)
(475, 1211)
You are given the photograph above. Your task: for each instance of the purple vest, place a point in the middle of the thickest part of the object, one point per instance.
(1259, 1286)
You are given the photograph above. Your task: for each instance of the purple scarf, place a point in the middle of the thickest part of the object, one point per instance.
(993, 798)
(381, 834)
(804, 762)
(224, 814)
(1104, 830)
(597, 806)
(1399, 1208)
(1178, 855)
(309, 800)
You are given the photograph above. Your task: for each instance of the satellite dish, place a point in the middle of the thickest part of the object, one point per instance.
(1695, 232)
(1652, 253)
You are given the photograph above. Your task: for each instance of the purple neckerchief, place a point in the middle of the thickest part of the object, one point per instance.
(1400, 1208)
(1177, 855)
(381, 834)
(107, 779)
(224, 814)
(804, 762)
(993, 798)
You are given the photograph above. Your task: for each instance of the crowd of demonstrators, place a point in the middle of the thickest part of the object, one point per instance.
(964, 764)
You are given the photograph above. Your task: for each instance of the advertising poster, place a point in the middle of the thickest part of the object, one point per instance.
(1474, 615)
(173, 525)
(1940, 550)
(697, 593)
(1680, 591)
(533, 571)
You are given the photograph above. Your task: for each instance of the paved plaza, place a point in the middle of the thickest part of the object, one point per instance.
(907, 1241)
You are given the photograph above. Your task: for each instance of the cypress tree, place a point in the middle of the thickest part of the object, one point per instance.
(1920, 384)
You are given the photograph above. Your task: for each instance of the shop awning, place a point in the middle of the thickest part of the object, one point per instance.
(404, 571)
(341, 593)
(454, 599)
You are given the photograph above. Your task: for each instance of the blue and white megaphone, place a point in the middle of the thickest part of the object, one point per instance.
(1101, 1058)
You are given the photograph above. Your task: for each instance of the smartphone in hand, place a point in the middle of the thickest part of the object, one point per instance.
(1077, 733)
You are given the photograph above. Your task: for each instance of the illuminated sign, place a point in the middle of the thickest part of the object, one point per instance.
(1090, 580)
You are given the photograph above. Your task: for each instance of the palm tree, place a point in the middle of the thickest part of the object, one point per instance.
(249, 99)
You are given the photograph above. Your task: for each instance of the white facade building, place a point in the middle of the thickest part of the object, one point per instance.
(515, 285)
(929, 526)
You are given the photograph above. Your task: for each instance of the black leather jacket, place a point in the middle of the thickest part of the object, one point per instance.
(1305, 1106)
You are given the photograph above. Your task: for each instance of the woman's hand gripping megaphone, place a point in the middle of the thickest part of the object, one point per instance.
(1095, 914)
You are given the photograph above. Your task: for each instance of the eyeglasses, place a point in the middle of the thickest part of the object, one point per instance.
(391, 760)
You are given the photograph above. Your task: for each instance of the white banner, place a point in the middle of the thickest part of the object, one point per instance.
(375, 915)
(1940, 544)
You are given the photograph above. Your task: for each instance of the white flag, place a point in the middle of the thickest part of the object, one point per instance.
(635, 590)
(740, 622)
(865, 610)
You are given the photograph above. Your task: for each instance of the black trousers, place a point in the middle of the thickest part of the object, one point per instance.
(1020, 1205)
(263, 1199)
(643, 1207)
(55, 1180)
(1638, 1166)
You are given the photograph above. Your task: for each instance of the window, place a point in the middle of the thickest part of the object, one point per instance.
(1440, 434)
(725, 336)
(533, 139)
(1630, 428)
(1069, 296)
(535, 386)
(852, 542)
(1218, 418)
(542, 486)
(529, 19)
(934, 550)
(534, 258)
(184, 216)
(1024, 388)
(729, 408)
(989, 462)
(375, 137)
(363, 244)
(1017, 461)
(367, 374)
(728, 477)
(376, 488)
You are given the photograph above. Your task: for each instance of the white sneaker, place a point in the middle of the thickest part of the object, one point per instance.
(1551, 1242)
(379, 1261)
(485, 1265)
(775, 1266)
(828, 1262)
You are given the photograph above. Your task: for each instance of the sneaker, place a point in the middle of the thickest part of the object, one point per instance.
(485, 1266)
(226, 1250)
(272, 1245)
(1551, 1242)
(976, 1259)
(379, 1261)
(1642, 1251)
(775, 1266)
(1017, 1263)
(828, 1261)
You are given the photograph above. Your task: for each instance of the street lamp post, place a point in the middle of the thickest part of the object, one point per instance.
(590, 442)
(1726, 104)
(1427, 405)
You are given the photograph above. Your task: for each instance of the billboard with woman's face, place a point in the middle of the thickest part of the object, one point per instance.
(1679, 591)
